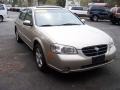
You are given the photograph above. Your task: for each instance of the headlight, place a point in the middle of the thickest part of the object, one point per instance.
(111, 44)
(63, 49)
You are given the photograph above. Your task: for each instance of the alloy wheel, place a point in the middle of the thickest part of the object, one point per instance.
(39, 58)
(95, 18)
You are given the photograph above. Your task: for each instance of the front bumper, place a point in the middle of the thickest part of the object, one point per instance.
(75, 63)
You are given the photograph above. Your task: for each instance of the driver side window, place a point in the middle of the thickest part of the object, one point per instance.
(28, 16)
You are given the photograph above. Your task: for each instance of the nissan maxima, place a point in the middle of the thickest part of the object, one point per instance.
(63, 41)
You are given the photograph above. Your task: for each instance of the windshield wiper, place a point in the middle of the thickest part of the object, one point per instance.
(70, 24)
(47, 25)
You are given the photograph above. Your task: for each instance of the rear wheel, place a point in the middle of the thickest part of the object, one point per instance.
(1, 18)
(113, 21)
(119, 22)
(95, 18)
(39, 58)
(18, 37)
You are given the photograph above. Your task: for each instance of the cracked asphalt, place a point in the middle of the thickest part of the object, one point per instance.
(18, 70)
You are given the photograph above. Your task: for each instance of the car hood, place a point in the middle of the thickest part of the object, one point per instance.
(79, 11)
(78, 35)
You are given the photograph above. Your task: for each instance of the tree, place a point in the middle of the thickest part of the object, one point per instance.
(41, 2)
(30, 2)
(98, 1)
(61, 2)
(14, 2)
(113, 2)
(84, 2)
(51, 2)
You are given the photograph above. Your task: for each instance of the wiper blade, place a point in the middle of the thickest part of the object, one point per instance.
(70, 24)
(46, 25)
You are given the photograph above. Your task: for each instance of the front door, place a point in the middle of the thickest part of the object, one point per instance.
(28, 30)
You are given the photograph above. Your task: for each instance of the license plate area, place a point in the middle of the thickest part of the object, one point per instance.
(98, 60)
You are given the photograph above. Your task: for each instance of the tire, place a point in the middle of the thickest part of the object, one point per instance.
(113, 22)
(1, 18)
(18, 37)
(39, 58)
(95, 18)
(91, 18)
(119, 22)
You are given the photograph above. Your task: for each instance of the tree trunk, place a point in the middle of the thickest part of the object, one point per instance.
(41, 2)
(29, 2)
(14, 3)
(61, 3)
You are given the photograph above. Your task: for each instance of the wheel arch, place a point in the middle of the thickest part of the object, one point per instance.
(38, 41)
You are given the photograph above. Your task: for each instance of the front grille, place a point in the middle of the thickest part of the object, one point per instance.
(95, 50)
(92, 65)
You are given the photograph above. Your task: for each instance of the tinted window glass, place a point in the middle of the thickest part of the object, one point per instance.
(77, 8)
(2, 7)
(97, 8)
(22, 15)
(29, 15)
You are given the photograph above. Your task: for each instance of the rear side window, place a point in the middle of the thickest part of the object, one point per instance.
(95, 8)
(2, 7)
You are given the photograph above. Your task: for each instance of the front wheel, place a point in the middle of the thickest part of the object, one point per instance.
(95, 18)
(39, 58)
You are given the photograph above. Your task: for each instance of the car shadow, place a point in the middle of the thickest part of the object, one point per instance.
(70, 77)
(3, 21)
(76, 76)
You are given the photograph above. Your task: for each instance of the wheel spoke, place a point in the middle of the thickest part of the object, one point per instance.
(39, 58)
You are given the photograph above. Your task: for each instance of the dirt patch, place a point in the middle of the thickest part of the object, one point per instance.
(11, 67)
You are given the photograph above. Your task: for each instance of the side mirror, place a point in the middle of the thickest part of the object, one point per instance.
(27, 23)
(83, 20)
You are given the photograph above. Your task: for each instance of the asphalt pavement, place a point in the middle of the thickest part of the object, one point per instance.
(18, 70)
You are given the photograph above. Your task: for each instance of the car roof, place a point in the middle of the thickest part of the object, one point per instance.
(45, 7)
(1, 4)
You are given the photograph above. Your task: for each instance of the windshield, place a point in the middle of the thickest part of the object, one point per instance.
(55, 17)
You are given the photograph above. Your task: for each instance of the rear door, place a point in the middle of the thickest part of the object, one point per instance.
(104, 14)
(19, 24)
